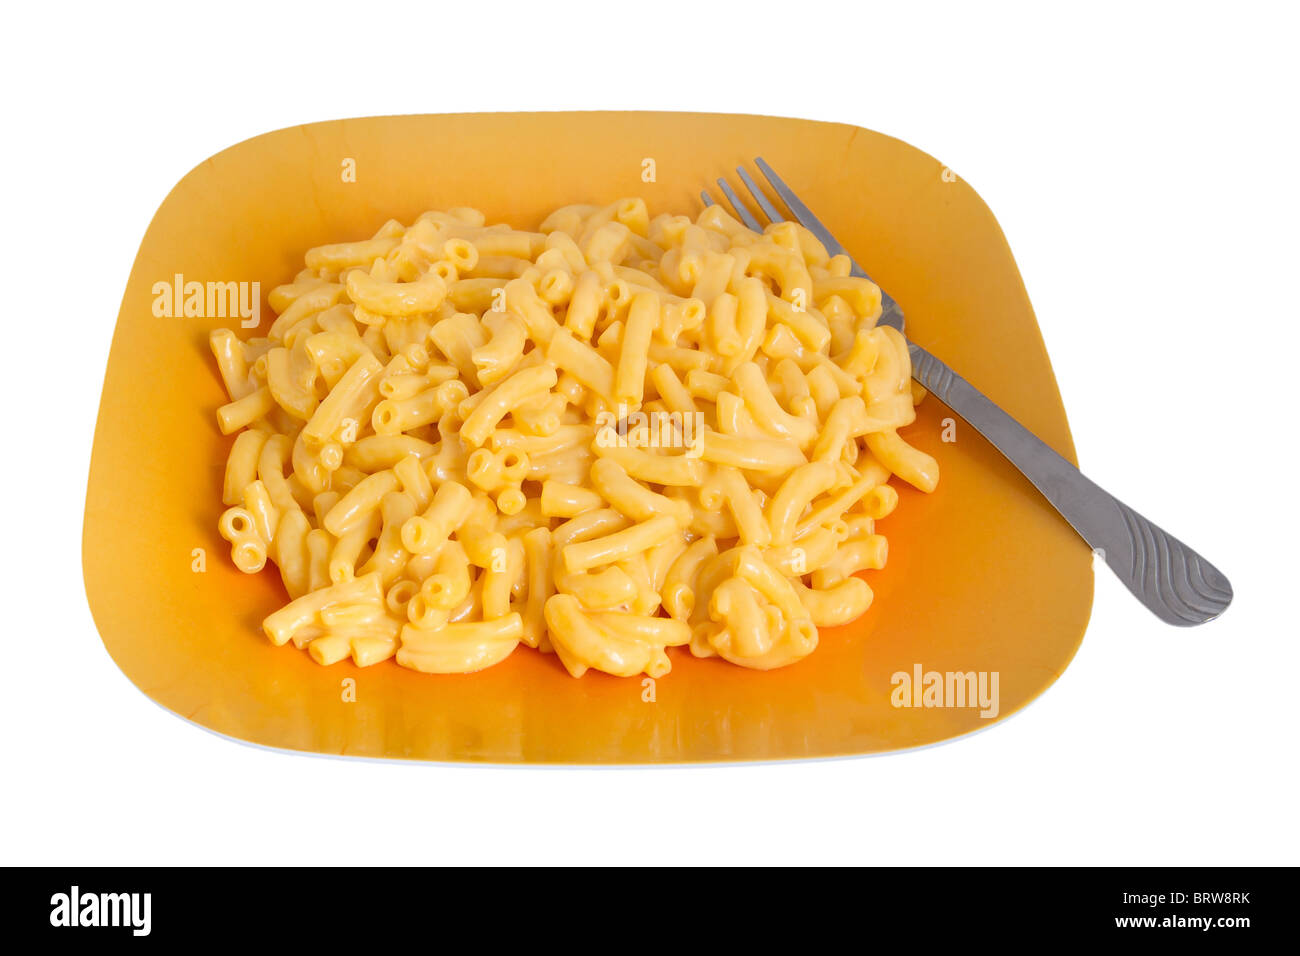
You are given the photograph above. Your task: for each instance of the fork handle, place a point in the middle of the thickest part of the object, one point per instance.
(1173, 581)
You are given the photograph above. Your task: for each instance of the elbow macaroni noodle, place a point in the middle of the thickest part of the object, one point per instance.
(613, 436)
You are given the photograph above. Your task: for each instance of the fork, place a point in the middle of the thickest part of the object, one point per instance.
(1174, 582)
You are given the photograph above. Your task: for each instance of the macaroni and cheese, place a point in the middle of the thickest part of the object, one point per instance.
(613, 436)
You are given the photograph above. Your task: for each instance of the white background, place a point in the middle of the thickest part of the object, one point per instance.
(1143, 166)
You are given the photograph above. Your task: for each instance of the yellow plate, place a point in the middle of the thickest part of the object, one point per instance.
(982, 575)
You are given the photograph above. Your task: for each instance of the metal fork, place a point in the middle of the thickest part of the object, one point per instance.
(1173, 581)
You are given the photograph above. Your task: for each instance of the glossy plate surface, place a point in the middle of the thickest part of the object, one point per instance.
(982, 575)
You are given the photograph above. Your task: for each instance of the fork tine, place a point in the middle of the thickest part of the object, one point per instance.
(745, 215)
(801, 212)
(760, 197)
(706, 198)
(890, 313)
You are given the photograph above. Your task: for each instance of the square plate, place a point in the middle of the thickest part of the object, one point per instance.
(982, 575)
